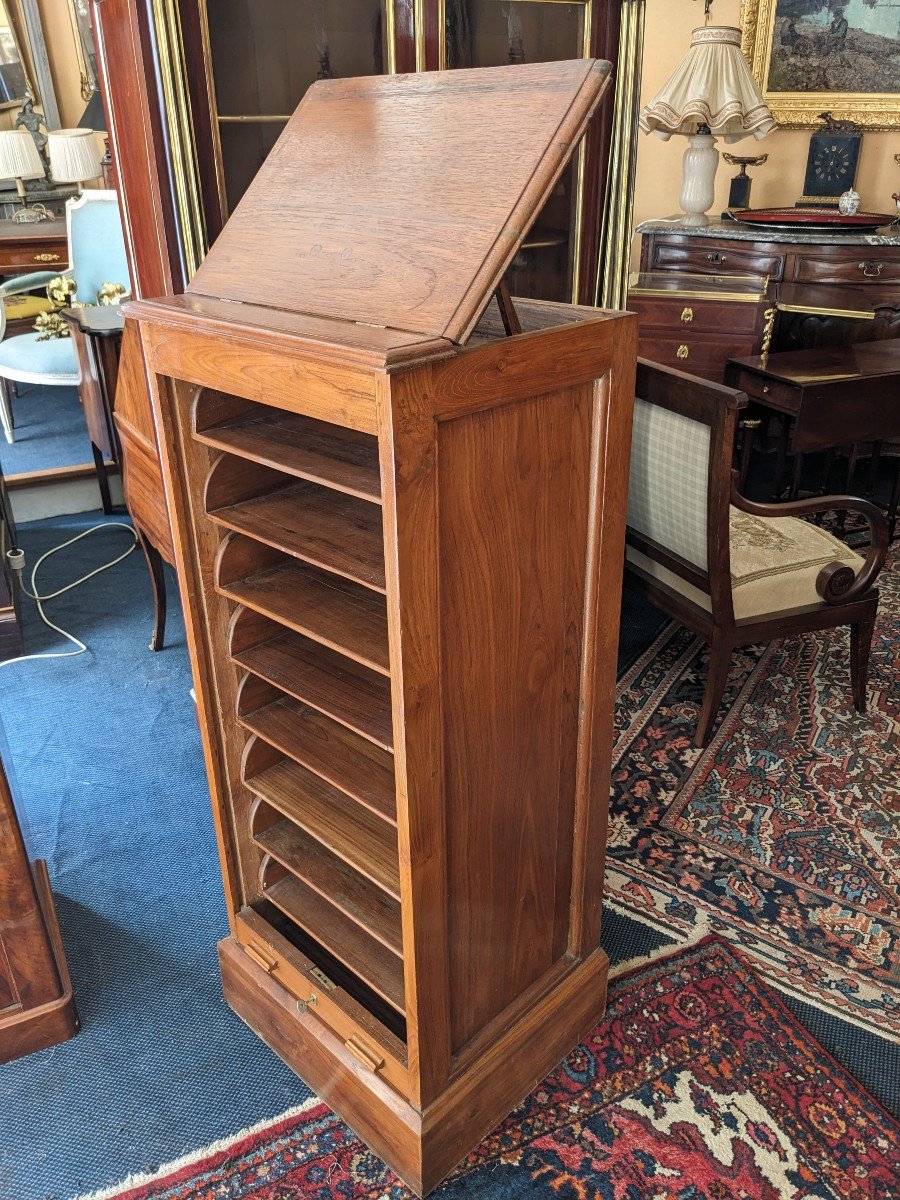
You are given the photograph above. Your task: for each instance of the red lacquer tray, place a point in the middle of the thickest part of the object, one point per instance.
(811, 218)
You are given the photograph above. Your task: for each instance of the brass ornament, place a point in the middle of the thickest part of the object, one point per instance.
(51, 325)
(61, 290)
(111, 293)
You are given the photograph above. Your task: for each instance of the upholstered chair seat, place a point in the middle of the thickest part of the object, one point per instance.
(775, 562)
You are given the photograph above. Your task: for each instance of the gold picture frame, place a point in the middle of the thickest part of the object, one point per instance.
(795, 53)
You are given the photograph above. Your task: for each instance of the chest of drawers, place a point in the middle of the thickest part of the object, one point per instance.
(867, 263)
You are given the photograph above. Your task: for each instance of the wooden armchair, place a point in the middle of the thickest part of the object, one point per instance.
(734, 571)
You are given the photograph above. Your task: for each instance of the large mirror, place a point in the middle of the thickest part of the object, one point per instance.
(14, 79)
(80, 12)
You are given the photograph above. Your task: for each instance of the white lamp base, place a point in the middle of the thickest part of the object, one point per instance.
(698, 188)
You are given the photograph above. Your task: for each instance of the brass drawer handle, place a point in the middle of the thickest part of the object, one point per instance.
(871, 269)
(682, 351)
(687, 315)
(717, 258)
(46, 257)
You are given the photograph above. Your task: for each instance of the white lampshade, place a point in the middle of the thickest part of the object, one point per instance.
(19, 158)
(713, 86)
(74, 155)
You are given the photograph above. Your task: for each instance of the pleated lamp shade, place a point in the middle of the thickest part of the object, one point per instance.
(19, 158)
(74, 155)
(712, 86)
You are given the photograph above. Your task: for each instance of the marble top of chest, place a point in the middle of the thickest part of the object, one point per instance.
(888, 235)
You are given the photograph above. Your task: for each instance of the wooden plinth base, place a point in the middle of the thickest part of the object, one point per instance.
(24, 1032)
(421, 1147)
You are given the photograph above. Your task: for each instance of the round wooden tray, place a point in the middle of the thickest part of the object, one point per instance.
(811, 218)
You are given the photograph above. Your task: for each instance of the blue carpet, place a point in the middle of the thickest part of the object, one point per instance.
(107, 757)
(110, 777)
(49, 429)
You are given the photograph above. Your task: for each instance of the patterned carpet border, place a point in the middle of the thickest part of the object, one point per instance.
(782, 835)
(698, 1083)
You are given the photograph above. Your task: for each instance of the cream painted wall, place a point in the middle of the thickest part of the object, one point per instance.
(780, 180)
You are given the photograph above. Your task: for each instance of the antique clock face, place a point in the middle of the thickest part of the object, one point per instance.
(831, 165)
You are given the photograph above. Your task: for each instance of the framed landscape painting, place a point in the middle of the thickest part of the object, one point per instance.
(815, 56)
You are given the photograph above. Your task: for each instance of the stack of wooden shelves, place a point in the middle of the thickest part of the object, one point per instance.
(400, 536)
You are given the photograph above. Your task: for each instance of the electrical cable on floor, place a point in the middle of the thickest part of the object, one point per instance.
(16, 559)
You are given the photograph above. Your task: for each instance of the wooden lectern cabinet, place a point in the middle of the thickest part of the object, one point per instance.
(398, 504)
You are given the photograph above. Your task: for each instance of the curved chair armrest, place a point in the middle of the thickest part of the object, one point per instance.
(837, 582)
(28, 283)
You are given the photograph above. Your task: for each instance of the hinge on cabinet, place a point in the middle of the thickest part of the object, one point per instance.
(321, 978)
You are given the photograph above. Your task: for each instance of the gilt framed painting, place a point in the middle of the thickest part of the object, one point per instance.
(826, 56)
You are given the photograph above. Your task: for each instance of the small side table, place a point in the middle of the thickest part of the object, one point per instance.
(97, 337)
(833, 396)
(97, 334)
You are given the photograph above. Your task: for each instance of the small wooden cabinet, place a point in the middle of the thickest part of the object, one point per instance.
(36, 1005)
(400, 535)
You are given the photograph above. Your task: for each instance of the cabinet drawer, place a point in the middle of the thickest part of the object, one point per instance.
(767, 391)
(696, 316)
(867, 265)
(705, 357)
(708, 257)
(363, 1035)
(27, 256)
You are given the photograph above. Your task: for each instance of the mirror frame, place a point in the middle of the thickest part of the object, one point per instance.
(85, 49)
(35, 57)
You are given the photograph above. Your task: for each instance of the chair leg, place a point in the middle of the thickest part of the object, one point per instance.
(894, 502)
(874, 464)
(861, 635)
(796, 477)
(716, 678)
(158, 583)
(102, 480)
(6, 415)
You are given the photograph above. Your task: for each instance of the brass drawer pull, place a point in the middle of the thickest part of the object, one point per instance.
(871, 269)
(367, 1056)
(268, 962)
(687, 315)
(682, 351)
(46, 257)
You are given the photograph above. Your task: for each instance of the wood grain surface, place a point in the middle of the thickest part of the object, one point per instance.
(400, 200)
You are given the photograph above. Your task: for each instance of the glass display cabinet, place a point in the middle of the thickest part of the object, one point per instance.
(262, 55)
(490, 33)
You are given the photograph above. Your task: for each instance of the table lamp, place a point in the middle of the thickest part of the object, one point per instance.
(711, 92)
(20, 160)
(74, 156)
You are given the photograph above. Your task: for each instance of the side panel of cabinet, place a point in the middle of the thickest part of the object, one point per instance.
(506, 511)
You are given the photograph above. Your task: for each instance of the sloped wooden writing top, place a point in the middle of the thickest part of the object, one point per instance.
(399, 201)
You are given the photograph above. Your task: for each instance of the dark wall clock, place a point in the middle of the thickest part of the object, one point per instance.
(830, 167)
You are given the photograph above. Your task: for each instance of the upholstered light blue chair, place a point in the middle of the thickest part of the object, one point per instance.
(96, 256)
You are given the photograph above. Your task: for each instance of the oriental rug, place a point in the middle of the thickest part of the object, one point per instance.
(781, 836)
(698, 1084)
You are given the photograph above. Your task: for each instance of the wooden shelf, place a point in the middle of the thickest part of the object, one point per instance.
(326, 454)
(348, 942)
(339, 533)
(330, 751)
(353, 833)
(344, 690)
(332, 611)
